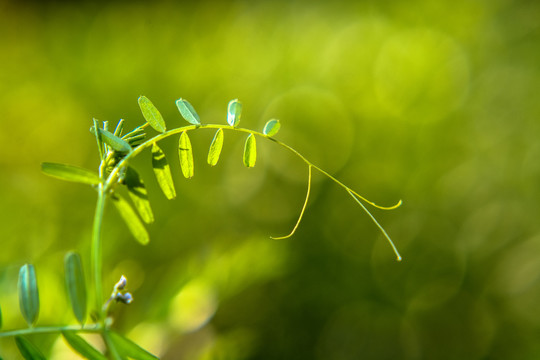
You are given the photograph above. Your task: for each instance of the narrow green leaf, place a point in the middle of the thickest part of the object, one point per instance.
(28, 294)
(76, 285)
(119, 128)
(188, 112)
(78, 344)
(115, 142)
(271, 128)
(131, 219)
(100, 145)
(0, 318)
(139, 195)
(215, 148)
(162, 170)
(250, 151)
(70, 173)
(152, 114)
(28, 350)
(185, 152)
(128, 348)
(234, 111)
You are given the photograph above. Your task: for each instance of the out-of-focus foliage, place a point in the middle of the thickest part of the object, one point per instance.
(433, 102)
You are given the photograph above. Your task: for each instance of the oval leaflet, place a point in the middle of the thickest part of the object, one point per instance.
(250, 151)
(28, 294)
(185, 152)
(215, 148)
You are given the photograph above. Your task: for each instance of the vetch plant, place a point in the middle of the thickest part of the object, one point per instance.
(116, 149)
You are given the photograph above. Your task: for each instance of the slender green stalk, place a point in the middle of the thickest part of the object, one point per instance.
(96, 260)
(357, 197)
(52, 329)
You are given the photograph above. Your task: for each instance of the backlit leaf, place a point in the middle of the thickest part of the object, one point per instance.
(234, 111)
(162, 171)
(115, 142)
(139, 195)
(215, 148)
(128, 348)
(82, 347)
(271, 128)
(250, 151)
(131, 219)
(152, 114)
(185, 152)
(76, 285)
(188, 112)
(28, 350)
(28, 294)
(70, 173)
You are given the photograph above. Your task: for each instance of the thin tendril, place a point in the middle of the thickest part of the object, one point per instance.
(376, 223)
(301, 212)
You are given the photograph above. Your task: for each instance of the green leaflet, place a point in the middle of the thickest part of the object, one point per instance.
(250, 151)
(139, 195)
(76, 285)
(119, 128)
(115, 142)
(215, 148)
(99, 142)
(82, 347)
(185, 151)
(188, 112)
(162, 170)
(0, 318)
(152, 114)
(131, 219)
(28, 294)
(127, 348)
(271, 128)
(234, 111)
(70, 173)
(28, 350)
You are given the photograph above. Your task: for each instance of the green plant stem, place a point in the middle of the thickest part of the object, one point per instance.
(96, 257)
(52, 329)
(357, 197)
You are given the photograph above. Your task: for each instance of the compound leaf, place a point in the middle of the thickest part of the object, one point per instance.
(76, 285)
(234, 111)
(70, 173)
(128, 348)
(28, 350)
(115, 142)
(152, 114)
(250, 151)
(188, 112)
(131, 219)
(162, 170)
(215, 148)
(139, 195)
(185, 151)
(272, 127)
(28, 294)
(80, 345)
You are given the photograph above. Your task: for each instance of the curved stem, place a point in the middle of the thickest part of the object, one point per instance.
(111, 180)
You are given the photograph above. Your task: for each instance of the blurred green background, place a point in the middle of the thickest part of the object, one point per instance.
(433, 102)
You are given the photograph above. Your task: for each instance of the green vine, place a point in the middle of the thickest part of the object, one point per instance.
(116, 152)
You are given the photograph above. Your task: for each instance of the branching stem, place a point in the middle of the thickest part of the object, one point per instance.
(113, 177)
